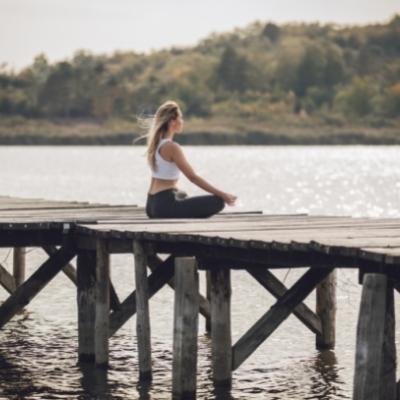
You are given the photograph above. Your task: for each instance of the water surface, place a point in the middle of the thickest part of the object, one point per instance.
(38, 347)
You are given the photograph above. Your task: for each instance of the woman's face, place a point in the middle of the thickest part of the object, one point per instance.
(177, 124)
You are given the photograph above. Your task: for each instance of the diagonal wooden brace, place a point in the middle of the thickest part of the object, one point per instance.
(278, 289)
(68, 269)
(36, 282)
(267, 324)
(7, 280)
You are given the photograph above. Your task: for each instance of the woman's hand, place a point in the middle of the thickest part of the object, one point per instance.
(228, 198)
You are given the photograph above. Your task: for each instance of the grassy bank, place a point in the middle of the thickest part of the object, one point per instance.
(20, 131)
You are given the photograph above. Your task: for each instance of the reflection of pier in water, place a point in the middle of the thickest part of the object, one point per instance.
(175, 250)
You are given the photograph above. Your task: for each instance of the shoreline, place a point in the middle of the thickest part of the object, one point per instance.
(222, 131)
(205, 138)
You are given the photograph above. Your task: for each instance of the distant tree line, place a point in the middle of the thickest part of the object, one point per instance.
(338, 72)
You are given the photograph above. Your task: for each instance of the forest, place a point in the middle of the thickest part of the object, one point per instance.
(262, 83)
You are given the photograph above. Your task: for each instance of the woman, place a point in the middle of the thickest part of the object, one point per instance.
(167, 160)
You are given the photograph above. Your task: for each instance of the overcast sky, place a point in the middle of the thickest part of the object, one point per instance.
(59, 27)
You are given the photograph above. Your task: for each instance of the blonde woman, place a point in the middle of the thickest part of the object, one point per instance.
(167, 161)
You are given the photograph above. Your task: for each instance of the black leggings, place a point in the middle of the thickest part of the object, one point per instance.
(173, 203)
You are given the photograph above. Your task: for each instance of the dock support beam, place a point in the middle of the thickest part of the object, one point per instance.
(86, 298)
(375, 371)
(220, 298)
(186, 317)
(326, 311)
(19, 265)
(142, 312)
(102, 318)
(208, 295)
(388, 372)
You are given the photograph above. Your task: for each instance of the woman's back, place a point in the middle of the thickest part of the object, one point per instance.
(164, 169)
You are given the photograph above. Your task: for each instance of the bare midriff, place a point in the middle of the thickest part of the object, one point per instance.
(158, 185)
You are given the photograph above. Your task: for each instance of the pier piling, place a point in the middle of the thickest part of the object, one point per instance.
(374, 376)
(208, 318)
(19, 265)
(102, 317)
(388, 389)
(186, 316)
(326, 311)
(86, 299)
(220, 298)
(142, 312)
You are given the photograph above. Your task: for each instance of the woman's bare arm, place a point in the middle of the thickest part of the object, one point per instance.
(180, 160)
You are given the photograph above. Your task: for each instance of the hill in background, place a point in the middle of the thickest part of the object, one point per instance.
(264, 83)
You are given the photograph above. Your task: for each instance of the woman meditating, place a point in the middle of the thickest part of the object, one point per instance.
(167, 160)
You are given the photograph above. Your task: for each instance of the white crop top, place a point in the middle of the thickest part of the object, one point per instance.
(164, 169)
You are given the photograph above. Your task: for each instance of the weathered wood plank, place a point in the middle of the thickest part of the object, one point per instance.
(221, 339)
(143, 333)
(252, 224)
(102, 303)
(86, 300)
(278, 289)
(370, 337)
(267, 324)
(390, 256)
(30, 237)
(36, 282)
(186, 310)
(326, 311)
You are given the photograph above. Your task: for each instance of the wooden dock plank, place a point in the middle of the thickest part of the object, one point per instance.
(370, 238)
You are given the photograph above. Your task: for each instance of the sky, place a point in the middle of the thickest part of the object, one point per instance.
(58, 28)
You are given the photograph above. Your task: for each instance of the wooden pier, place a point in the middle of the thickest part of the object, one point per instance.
(172, 252)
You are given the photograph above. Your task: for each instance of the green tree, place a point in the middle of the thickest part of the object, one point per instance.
(311, 70)
(272, 32)
(232, 72)
(55, 98)
(356, 99)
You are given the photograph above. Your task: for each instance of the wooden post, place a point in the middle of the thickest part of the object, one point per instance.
(208, 296)
(86, 298)
(388, 371)
(160, 276)
(326, 310)
(19, 265)
(142, 312)
(370, 337)
(184, 365)
(102, 303)
(220, 295)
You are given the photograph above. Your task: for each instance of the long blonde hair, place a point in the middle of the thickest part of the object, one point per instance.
(157, 126)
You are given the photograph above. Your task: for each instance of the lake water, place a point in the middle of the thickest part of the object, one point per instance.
(38, 348)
